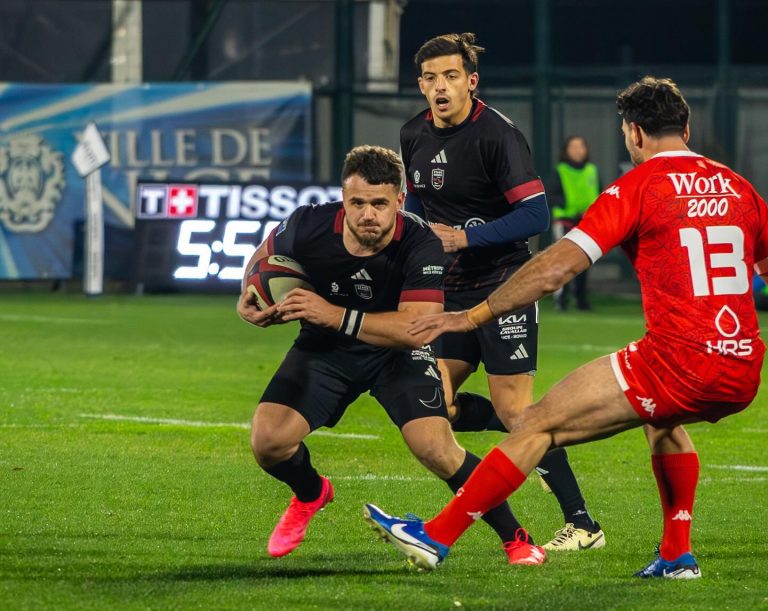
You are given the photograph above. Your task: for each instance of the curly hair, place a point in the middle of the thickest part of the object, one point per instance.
(656, 105)
(450, 44)
(375, 164)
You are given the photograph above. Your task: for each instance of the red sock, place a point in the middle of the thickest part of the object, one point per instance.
(492, 481)
(676, 477)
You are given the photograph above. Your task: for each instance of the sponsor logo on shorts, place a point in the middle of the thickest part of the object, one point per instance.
(648, 404)
(513, 319)
(520, 353)
(435, 402)
(513, 332)
(423, 354)
(432, 270)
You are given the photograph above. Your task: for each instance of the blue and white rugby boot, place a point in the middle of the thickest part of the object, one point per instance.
(407, 534)
(684, 567)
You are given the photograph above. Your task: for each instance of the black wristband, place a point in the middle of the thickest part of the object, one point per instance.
(351, 322)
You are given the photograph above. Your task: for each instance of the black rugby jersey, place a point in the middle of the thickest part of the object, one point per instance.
(409, 268)
(467, 175)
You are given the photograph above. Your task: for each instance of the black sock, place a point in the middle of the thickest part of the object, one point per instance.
(299, 474)
(556, 471)
(500, 518)
(476, 413)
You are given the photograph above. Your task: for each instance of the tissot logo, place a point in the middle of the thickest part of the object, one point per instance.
(182, 201)
(253, 202)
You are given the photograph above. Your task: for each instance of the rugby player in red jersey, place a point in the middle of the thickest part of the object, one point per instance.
(693, 230)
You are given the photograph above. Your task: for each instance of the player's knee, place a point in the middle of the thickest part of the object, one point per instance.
(439, 460)
(269, 446)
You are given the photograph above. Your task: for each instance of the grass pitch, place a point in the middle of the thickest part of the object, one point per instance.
(126, 479)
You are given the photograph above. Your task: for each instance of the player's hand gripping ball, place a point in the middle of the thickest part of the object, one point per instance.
(272, 277)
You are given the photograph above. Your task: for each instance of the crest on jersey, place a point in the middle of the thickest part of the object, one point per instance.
(438, 177)
(31, 182)
(363, 291)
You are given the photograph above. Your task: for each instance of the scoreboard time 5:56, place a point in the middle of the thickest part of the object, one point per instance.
(199, 237)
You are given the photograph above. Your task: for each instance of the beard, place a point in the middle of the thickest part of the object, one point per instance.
(370, 235)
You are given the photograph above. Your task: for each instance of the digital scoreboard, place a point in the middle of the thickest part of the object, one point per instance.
(198, 237)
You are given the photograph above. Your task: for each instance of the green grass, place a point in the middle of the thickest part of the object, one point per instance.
(98, 513)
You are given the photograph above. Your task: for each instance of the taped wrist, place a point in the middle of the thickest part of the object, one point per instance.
(480, 314)
(352, 322)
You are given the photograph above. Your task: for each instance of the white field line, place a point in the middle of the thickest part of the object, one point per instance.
(199, 423)
(53, 319)
(41, 426)
(750, 468)
(710, 480)
(754, 430)
(370, 477)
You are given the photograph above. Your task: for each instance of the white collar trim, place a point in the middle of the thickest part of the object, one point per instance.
(676, 154)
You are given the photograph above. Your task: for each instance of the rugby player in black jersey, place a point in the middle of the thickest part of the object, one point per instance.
(469, 173)
(374, 270)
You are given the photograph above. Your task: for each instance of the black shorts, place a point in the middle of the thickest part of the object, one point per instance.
(506, 346)
(320, 382)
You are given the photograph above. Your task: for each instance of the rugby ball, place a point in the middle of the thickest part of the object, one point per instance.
(272, 277)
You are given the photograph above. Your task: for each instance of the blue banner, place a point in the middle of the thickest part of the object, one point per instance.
(242, 132)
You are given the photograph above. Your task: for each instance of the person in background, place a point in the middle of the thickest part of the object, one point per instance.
(574, 186)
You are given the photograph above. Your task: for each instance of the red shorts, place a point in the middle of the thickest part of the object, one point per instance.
(664, 403)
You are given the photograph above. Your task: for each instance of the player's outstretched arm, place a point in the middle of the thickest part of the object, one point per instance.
(542, 275)
(390, 329)
(387, 329)
(429, 328)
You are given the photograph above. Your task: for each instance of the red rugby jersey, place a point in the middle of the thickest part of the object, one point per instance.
(693, 230)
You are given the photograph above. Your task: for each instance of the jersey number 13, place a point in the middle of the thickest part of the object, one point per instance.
(735, 284)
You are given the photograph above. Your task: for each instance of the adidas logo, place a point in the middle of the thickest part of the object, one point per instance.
(361, 275)
(683, 515)
(440, 157)
(520, 353)
(431, 372)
